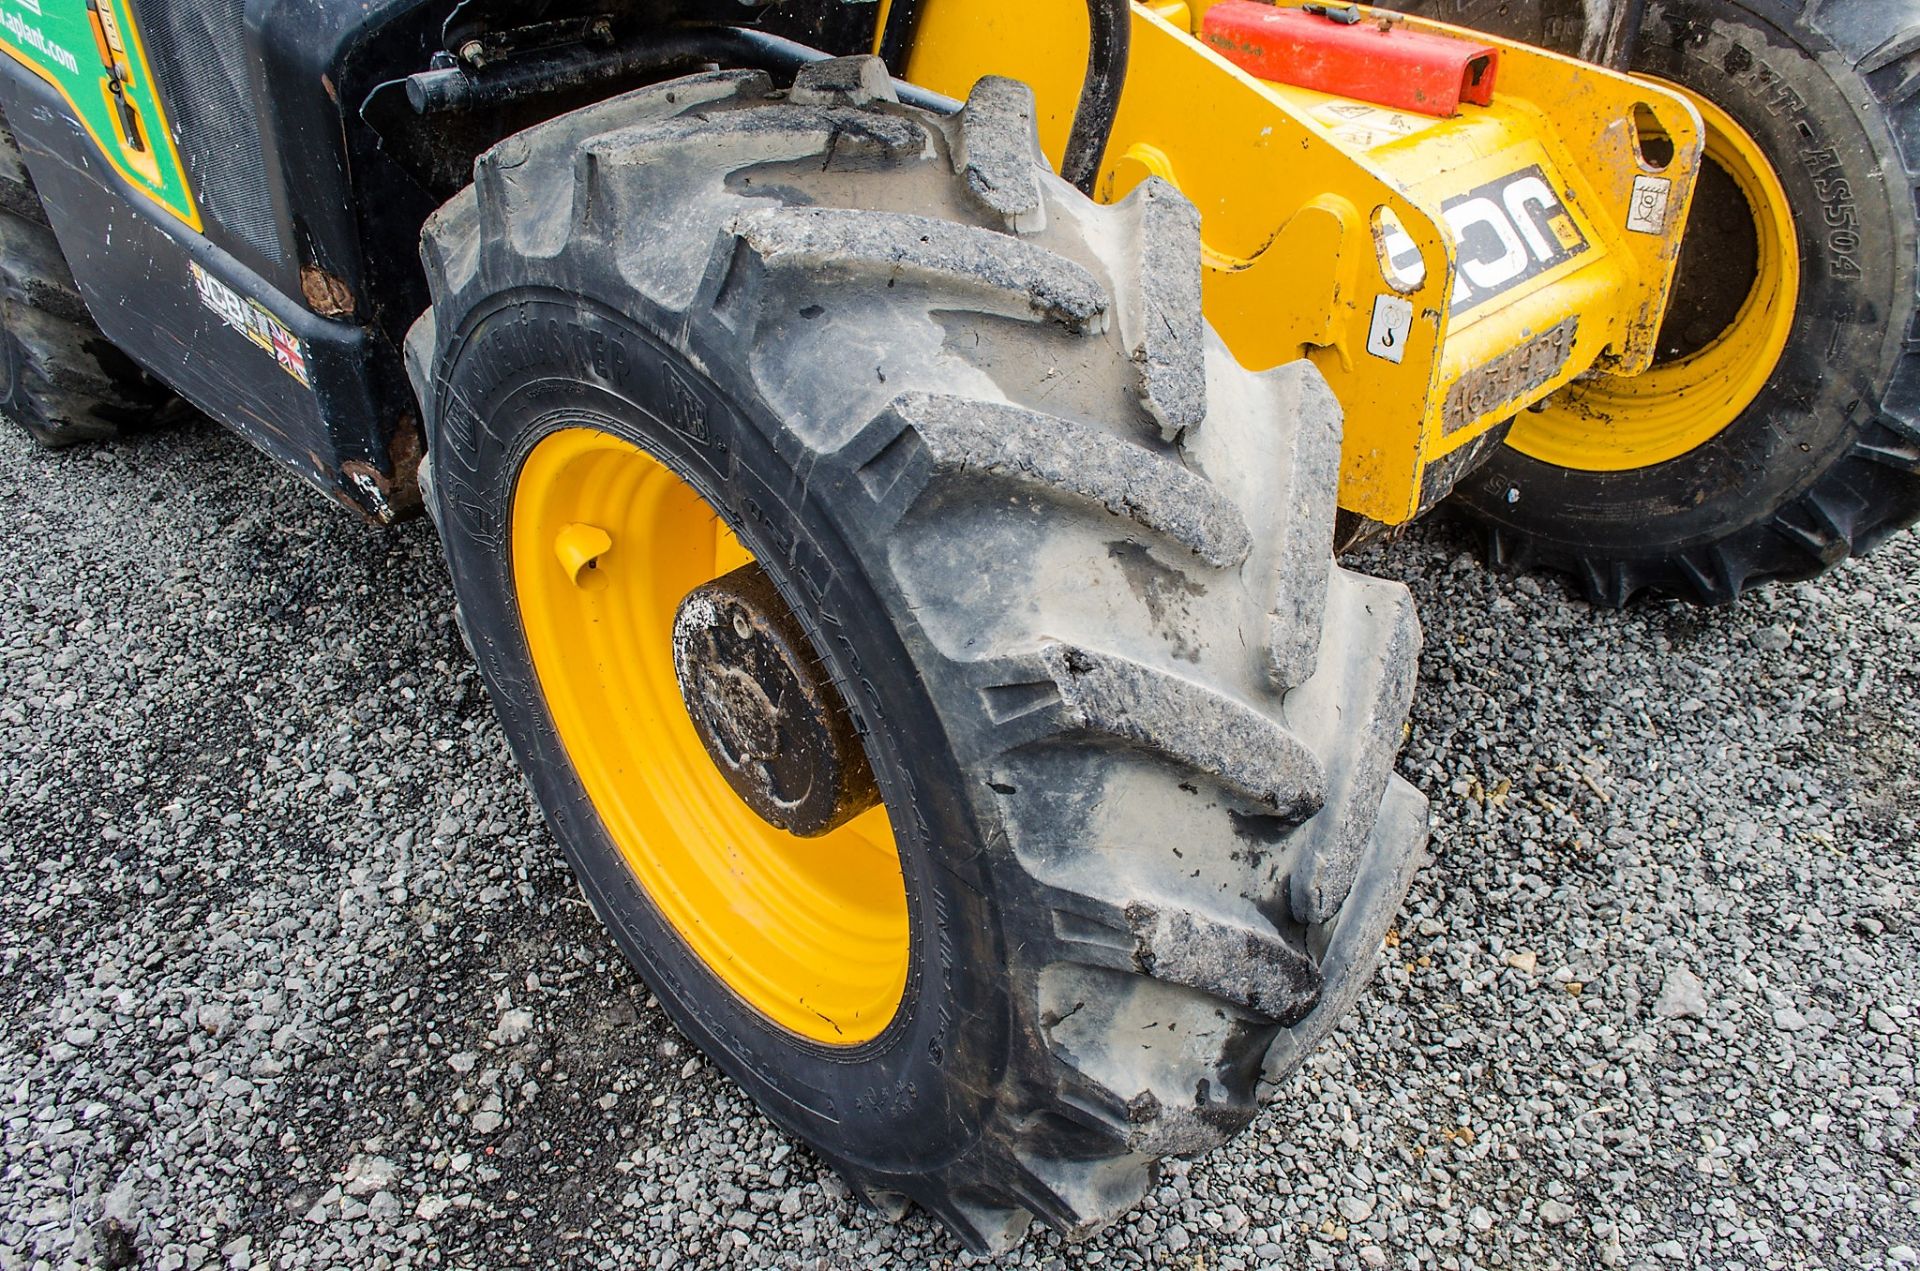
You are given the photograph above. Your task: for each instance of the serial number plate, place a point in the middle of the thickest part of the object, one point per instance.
(1505, 383)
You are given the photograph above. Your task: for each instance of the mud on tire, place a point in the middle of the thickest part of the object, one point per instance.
(1068, 560)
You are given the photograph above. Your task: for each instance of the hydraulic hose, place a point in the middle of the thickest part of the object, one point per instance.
(1110, 31)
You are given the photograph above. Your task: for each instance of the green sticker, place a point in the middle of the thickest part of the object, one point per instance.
(90, 50)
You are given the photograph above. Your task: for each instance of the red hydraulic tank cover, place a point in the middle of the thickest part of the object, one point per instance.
(1336, 49)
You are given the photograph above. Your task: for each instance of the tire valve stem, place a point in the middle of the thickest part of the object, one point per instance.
(579, 549)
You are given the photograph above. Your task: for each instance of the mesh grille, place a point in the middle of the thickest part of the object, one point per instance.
(198, 51)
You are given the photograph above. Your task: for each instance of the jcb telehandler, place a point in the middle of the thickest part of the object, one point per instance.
(890, 455)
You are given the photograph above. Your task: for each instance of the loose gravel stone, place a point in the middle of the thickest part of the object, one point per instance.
(1555, 1213)
(283, 932)
(1682, 996)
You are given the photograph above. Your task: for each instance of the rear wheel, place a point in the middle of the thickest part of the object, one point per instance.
(1780, 429)
(60, 378)
(920, 634)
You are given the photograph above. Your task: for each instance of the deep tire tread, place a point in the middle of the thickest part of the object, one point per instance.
(1176, 688)
(1015, 278)
(1070, 460)
(1190, 726)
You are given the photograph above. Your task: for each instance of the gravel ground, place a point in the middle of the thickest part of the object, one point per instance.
(295, 977)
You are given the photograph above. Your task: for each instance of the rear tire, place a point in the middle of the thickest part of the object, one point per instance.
(60, 378)
(1825, 461)
(1068, 562)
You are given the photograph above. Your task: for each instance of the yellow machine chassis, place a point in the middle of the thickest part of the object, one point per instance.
(1302, 194)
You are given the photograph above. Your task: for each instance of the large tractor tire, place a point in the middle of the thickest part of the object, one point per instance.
(1780, 430)
(60, 378)
(921, 634)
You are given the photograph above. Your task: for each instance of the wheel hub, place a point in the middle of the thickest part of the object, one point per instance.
(763, 706)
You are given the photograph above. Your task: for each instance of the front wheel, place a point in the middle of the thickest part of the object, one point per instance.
(921, 636)
(1779, 430)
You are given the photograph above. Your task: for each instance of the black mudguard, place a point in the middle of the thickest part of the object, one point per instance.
(308, 251)
(137, 273)
(279, 319)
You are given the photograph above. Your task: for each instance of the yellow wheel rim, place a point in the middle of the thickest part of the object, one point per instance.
(1615, 423)
(813, 933)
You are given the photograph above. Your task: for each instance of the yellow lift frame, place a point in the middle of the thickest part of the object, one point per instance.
(1445, 274)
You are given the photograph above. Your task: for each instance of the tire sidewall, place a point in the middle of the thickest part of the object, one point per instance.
(17, 400)
(1830, 146)
(12, 363)
(529, 362)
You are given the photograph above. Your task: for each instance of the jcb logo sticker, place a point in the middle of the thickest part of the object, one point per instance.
(1508, 232)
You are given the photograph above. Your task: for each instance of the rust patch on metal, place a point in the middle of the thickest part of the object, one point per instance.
(406, 447)
(326, 294)
(388, 497)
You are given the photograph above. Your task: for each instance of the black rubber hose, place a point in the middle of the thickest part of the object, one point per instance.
(1110, 31)
(454, 89)
(1622, 38)
(902, 29)
(758, 48)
